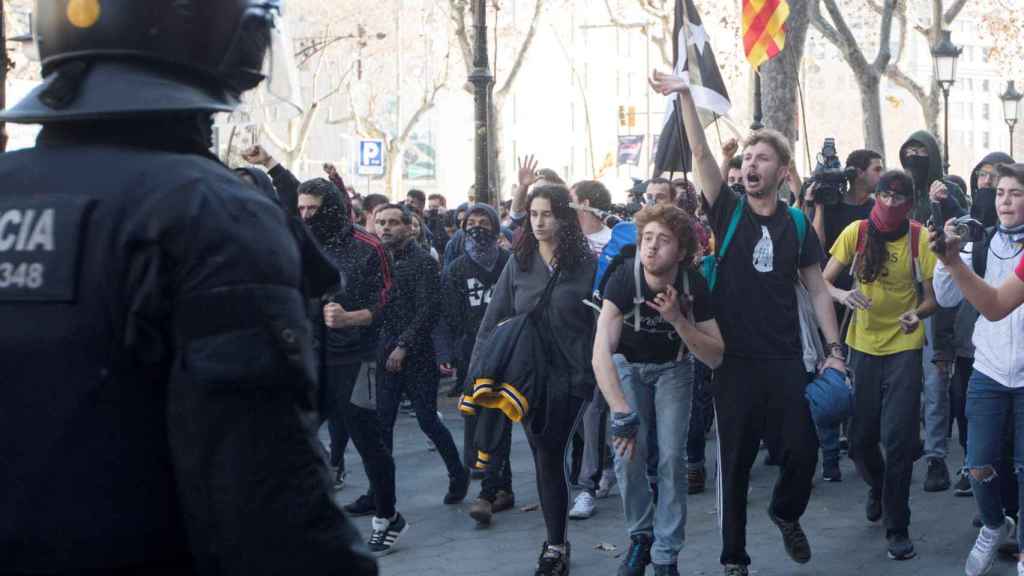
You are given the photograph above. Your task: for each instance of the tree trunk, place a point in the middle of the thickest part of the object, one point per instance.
(871, 106)
(495, 136)
(931, 109)
(780, 75)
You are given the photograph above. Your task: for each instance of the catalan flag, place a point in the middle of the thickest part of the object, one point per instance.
(764, 29)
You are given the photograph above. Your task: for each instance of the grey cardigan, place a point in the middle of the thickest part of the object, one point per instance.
(572, 321)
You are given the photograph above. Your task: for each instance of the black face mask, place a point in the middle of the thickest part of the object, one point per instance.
(482, 236)
(920, 168)
(983, 206)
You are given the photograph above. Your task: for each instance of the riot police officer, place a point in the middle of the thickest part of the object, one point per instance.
(156, 380)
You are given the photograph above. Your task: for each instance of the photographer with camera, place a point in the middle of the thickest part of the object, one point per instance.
(840, 197)
(988, 272)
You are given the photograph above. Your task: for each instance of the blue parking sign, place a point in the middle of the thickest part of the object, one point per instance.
(371, 157)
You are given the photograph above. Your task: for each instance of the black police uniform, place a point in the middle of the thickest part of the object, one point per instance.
(156, 371)
(156, 379)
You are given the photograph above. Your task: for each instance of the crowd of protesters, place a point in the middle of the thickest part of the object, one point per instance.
(653, 344)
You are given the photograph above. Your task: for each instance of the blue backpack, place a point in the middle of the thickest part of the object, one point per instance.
(710, 264)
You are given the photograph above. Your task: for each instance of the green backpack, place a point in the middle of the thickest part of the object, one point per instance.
(711, 262)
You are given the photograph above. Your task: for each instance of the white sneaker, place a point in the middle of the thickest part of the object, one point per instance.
(583, 507)
(986, 548)
(1020, 568)
(608, 481)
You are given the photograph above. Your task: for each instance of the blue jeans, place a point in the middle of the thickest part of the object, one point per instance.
(659, 393)
(989, 406)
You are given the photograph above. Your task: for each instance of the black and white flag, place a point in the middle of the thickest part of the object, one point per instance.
(694, 62)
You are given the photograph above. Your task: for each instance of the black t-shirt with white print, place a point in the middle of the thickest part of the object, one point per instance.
(755, 296)
(657, 342)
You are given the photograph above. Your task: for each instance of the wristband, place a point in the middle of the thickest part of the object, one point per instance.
(625, 424)
(835, 350)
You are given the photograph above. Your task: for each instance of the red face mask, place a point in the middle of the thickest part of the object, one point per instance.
(889, 218)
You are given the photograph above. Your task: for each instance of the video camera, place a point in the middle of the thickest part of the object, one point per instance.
(832, 179)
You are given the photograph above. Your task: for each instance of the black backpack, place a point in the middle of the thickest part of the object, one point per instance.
(979, 252)
(626, 253)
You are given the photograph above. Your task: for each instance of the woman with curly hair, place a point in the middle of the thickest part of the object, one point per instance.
(891, 295)
(552, 243)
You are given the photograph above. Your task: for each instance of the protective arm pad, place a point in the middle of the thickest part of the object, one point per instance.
(240, 422)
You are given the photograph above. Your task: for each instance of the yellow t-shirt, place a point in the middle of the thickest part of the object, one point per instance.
(877, 330)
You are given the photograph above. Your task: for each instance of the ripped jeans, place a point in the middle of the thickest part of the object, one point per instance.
(990, 408)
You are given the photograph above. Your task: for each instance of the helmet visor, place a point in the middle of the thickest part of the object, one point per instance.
(261, 63)
(281, 87)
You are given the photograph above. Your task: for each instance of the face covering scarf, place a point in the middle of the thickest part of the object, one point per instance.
(482, 246)
(890, 222)
(919, 167)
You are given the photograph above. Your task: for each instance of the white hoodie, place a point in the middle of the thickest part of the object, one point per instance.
(999, 346)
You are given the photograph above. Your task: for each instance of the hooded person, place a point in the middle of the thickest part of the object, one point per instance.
(318, 274)
(926, 166)
(983, 188)
(467, 287)
(346, 326)
(922, 157)
(456, 244)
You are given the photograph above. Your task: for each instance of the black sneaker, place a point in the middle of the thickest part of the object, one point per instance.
(963, 486)
(830, 472)
(363, 506)
(385, 534)
(458, 487)
(873, 509)
(793, 538)
(553, 562)
(666, 570)
(938, 476)
(900, 546)
(735, 570)
(635, 562)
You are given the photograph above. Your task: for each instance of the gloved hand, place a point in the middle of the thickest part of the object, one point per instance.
(625, 424)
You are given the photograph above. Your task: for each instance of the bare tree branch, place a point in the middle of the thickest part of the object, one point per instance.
(954, 11)
(839, 34)
(458, 16)
(524, 48)
(884, 39)
(907, 83)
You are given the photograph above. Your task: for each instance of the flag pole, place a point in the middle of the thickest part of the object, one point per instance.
(758, 110)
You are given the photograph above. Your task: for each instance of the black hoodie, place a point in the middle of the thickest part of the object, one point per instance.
(467, 289)
(364, 279)
(922, 206)
(318, 273)
(984, 209)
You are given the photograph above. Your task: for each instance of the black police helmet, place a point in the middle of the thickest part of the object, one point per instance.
(114, 58)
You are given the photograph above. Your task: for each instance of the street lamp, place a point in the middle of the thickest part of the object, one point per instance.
(1011, 108)
(483, 81)
(944, 57)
